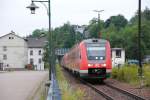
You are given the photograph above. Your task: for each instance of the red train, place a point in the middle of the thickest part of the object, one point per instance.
(90, 58)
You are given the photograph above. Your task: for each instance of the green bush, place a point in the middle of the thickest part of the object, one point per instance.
(147, 75)
(46, 65)
(129, 74)
(114, 73)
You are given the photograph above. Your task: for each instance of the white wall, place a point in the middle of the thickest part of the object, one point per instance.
(118, 61)
(36, 58)
(16, 51)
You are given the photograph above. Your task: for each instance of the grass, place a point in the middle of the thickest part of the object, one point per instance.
(129, 74)
(67, 91)
(147, 75)
(42, 97)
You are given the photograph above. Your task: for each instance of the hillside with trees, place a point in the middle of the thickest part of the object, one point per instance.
(117, 29)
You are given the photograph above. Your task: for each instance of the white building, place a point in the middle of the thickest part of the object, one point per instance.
(79, 29)
(13, 51)
(118, 56)
(35, 52)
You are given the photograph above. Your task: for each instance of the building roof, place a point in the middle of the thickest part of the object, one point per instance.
(12, 33)
(36, 42)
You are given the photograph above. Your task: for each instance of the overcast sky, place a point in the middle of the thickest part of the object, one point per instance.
(15, 16)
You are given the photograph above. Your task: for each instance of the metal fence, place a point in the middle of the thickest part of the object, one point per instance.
(54, 91)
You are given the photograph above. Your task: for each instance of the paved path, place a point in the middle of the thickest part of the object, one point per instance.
(20, 85)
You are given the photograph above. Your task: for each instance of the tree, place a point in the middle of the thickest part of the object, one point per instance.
(118, 21)
(65, 36)
(145, 16)
(39, 33)
(145, 34)
(94, 28)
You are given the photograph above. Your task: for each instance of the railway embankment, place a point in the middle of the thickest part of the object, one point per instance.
(68, 92)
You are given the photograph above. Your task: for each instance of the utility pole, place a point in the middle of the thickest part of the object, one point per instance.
(99, 11)
(140, 70)
(139, 39)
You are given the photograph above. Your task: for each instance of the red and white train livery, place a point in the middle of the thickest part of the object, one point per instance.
(90, 58)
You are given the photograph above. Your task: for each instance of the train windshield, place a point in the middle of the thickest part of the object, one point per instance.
(96, 53)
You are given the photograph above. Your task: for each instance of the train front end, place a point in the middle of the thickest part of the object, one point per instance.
(96, 59)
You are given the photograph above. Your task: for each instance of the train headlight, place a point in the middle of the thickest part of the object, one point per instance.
(90, 65)
(104, 65)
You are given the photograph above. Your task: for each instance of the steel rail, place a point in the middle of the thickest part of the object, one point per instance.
(136, 97)
(105, 95)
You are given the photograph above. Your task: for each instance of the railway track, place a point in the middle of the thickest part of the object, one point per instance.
(134, 96)
(110, 92)
(106, 96)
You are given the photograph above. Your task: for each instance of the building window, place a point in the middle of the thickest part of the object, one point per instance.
(4, 48)
(39, 52)
(31, 52)
(4, 57)
(40, 60)
(31, 61)
(11, 37)
(118, 53)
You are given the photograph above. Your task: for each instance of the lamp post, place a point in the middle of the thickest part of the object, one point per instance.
(33, 7)
(99, 11)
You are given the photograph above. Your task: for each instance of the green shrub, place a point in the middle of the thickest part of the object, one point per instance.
(147, 75)
(147, 79)
(126, 74)
(114, 73)
(121, 75)
(46, 65)
(129, 74)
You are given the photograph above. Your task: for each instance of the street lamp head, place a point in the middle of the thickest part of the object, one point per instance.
(32, 7)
